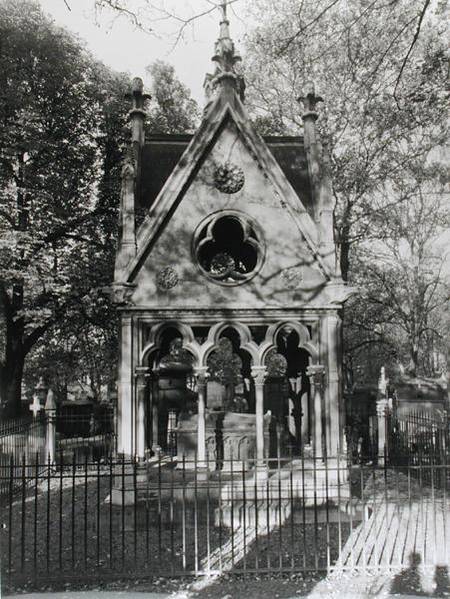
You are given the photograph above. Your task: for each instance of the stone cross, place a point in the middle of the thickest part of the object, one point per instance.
(223, 10)
(309, 99)
(35, 407)
(382, 382)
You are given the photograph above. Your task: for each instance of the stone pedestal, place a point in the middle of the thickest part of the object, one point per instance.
(239, 434)
(229, 438)
(187, 437)
(127, 479)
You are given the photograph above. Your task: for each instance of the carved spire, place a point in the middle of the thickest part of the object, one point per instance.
(225, 57)
(137, 113)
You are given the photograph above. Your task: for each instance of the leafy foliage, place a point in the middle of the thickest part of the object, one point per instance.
(172, 110)
(61, 143)
(382, 70)
(63, 136)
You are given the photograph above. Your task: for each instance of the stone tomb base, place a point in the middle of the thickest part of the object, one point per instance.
(254, 492)
(230, 437)
(305, 482)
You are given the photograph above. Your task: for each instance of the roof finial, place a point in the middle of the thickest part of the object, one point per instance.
(225, 57)
(223, 8)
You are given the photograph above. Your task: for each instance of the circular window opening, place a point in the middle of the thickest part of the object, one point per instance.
(228, 248)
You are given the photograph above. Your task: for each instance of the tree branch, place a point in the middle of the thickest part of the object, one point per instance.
(303, 29)
(413, 42)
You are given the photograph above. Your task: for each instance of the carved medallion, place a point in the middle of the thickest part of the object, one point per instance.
(167, 278)
(229, 178)
(292, 277)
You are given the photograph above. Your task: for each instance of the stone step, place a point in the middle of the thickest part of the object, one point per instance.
(251, 514)
(274, 489)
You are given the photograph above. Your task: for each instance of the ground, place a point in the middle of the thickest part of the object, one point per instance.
(46, 513)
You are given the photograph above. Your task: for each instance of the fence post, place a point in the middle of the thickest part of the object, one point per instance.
(383, 430)
(50, 429)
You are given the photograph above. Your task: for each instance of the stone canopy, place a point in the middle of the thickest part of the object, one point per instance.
(228, 233)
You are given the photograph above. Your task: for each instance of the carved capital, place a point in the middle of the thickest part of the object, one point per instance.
(259, 374)
(201, 374)
(316, 373)
(121, 293)
(142, 375)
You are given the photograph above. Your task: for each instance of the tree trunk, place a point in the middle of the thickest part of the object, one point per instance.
(11, 383)
(12, 302)
(414, 360)
(344, 254)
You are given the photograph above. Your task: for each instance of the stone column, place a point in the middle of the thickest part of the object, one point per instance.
(124, 390)
(50, 437)
(154, 399)
(142, 376)
(309, 99)
(305, 432)
(317, 375)
(259, 374)
(334, 413)
(201, 375)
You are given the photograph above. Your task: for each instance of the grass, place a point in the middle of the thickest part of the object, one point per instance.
(61, 529)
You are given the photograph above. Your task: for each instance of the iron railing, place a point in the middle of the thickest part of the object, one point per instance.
(418, 438)
(89, 436)
(168, 516)
(21, 440)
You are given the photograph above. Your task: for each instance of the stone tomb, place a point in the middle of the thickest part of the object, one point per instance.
(230, 438)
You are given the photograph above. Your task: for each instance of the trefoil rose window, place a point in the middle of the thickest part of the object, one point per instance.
(228, 248)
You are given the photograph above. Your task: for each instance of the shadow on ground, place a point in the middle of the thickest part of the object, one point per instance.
(410, 580)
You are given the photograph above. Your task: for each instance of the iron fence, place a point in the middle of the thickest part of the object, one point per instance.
(418, 438)
(89, 436)
(170, 516)
(21, 440)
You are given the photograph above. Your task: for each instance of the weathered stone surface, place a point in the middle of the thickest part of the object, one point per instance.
(259, 200)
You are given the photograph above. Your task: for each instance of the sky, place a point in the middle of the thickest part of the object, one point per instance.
(119, 44)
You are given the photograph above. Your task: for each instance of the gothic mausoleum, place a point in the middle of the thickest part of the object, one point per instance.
(228, 286)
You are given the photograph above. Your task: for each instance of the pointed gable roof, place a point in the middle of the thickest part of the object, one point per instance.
(166, 149)
(226, 106)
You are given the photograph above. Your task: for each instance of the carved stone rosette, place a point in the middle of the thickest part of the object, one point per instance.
(167, 278)
(229, 178)
(292, 277)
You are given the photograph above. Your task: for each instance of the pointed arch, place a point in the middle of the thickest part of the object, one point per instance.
(302, 331)
(245, 336)
(187, 335)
